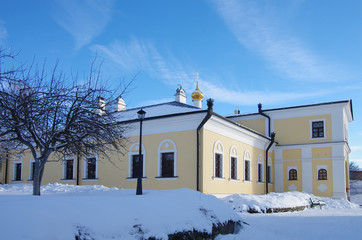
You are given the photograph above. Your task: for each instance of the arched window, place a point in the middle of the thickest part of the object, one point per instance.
(134, 163)
(18, 168)
(31, 169)
(167, 159)
(270, 170)
(247, 162)
(68, 168)
(218, 160)
(260, 168)
(233, 163)
(322, 174)
(293, 174)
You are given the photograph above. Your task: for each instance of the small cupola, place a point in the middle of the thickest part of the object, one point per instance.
(180, 95)
(120, 104)
(197, 95)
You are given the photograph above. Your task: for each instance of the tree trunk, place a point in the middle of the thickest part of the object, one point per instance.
(37, 178)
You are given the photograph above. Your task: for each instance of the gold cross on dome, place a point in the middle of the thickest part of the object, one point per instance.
(197, 76)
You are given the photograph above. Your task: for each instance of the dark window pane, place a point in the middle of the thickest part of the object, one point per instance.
(167, 166)
(293, 174)
(247, 171)
(136, 165)
(218, 165)
(322, 174)
(91, 168)
(260, 172)
(318, 129)
(69, 169)
(233, 168)
(18, 171)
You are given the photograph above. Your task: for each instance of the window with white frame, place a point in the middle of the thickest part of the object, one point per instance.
(31, 170)
(270, 170)
(68, 169)
(167, 159)
(90, 167)
(292, 173)
(270, 176)
(322, 172)
(218, 160)
(134, 162)
(317, 129)
(260, 168)
(233, 163)
(18, 168)
(247, 167)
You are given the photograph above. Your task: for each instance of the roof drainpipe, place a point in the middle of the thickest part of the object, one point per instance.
(272, 140)
(210, 104)
(260, 111)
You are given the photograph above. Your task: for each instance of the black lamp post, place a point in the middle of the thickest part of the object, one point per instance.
(141, 116)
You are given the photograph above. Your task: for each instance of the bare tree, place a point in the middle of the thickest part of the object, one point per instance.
(354, 170)
(49, 114)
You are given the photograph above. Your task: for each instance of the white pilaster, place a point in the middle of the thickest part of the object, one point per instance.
(278, 170)
(307, 178)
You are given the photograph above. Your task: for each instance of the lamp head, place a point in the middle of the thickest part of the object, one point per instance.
(141, 114)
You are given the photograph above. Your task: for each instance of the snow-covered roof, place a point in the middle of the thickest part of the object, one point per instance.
(162, 109)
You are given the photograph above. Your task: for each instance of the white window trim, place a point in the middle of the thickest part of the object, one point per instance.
(65, 166)
(30, 169)
(260, 161)
(159, 160)
(222, 160)
(232, 155)
(311, 129)
(18, 159)
(322, 167)
(247, 158)
(130, 163)
(86, 179)
(295, 168)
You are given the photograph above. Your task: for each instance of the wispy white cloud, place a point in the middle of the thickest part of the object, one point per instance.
(140, 55)
(356, 148)
(83, 19)
(3, 32)
(260, 33)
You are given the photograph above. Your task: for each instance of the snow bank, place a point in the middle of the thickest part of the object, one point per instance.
(106, 213)
(261, 203)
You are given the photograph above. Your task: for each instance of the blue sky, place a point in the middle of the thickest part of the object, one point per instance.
(278, 53)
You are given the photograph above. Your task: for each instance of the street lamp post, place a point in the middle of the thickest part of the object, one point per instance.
(141, 116)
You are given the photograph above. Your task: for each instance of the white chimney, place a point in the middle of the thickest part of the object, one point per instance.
(120, 104)
(180, 95)
(101, 106)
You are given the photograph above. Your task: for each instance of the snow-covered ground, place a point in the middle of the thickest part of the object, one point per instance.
(105, 213)
(109, 213)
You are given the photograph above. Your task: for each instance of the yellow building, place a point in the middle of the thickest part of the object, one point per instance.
(185, 146)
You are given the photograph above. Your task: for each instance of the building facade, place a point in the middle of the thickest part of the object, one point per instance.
(186, 146)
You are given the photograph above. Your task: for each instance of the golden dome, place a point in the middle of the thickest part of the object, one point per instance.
(197, 94)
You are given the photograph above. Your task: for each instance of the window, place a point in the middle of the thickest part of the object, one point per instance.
(322, 174)
(68, 169)
(17, 175)
(167, 153)
(318, 129)
(233, 163)
(91, 167)
(31, 170)
(134, 163)
(260, 168)
(270, 177)
(218, 165)
(247, 172)
(167, 165)
(18, 168)
(218, 160)
(260, 172)
(293, 174)
(233, 168)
